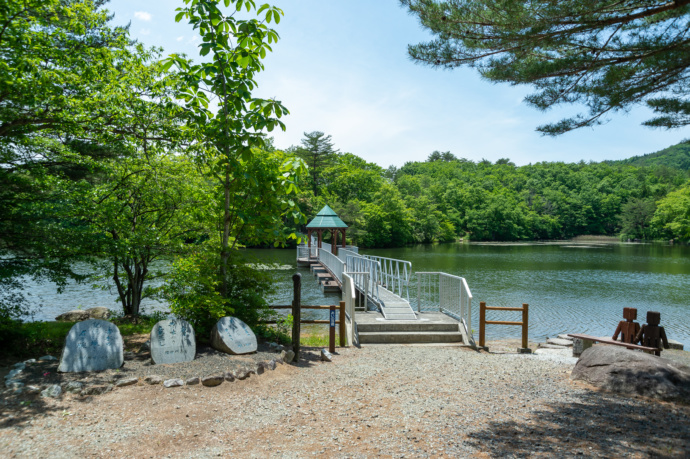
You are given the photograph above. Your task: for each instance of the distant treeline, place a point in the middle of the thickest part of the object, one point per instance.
(446, 198)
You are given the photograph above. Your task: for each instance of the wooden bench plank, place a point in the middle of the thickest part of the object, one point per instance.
(615, 343)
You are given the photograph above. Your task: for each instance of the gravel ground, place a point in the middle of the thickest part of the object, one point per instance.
(208, 361)
(380, 400)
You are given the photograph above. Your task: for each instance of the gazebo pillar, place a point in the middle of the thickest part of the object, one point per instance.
(344, 243)
(320, 235)
(309, 238)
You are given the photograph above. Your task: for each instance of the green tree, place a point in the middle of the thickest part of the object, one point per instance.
(672, 216)
(226, 138)
(605, 54)
(317, 151)
(636, 218)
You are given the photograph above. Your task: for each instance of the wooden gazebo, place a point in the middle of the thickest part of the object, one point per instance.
(327, 220)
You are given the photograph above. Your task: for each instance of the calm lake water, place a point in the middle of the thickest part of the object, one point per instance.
(570, 287)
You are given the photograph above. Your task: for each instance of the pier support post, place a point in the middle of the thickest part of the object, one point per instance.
(296, 316)
(525, 314)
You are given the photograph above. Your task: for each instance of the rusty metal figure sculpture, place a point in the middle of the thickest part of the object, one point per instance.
(651, 334)
(628, 328)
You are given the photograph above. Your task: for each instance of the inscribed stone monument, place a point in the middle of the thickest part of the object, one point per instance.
(233, 336)
(172, 341)
(92, 345)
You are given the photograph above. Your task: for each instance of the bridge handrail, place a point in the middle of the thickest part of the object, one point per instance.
(368, 284)
(395, 273)
(446, 293)
(344, 253)
(334, 264)
(349, 295)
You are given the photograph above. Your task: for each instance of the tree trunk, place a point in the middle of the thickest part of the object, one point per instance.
(225, 250)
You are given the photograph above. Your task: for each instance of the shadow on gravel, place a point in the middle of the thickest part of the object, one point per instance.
(598, 424)
(18, 411)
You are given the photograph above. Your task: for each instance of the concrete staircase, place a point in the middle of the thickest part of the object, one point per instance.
(401, 332)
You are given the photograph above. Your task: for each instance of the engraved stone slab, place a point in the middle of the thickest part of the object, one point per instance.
(172, 341)
(233, 336)
(92, 345)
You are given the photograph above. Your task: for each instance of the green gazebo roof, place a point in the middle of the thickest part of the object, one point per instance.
(326, 218)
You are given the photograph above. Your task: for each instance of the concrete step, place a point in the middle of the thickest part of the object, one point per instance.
(407, 326)
(409, 337)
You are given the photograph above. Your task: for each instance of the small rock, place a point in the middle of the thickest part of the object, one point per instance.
(260, 368)
(560, 342)
(126, 382)
(19, 366)
(18, 391)
(97, 389)
(673, 344)
(99, 312)
(32, 390)
(74, 387)
(213, 380)
(229, 376)
(53, 391)
(13, 373)
(193, 381)
(30, 361)
(288, 357)
(75, 315)
(551, 346)
(47, 358)
(242, 374)
(173, 383)
(565, 336)
(326, 356)
(13, 384)
(271, 364)
(153, 379)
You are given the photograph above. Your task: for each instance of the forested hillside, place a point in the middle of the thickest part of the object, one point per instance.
(446, 198)
(676, 156)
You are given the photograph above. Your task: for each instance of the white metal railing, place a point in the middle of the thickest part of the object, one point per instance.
(369, 284)
(395, 275)
(303, 251)
(352, 248)
(344, 253)
(326, 246)
(334, 264)
(361, 279)
(445, 293)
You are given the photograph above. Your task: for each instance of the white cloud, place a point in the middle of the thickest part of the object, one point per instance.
(180, 38)
(142, 15)
(145, 32)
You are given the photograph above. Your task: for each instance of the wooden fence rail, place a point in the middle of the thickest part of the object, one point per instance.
(482, 322)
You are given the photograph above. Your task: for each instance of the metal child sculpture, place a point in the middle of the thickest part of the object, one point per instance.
(628, 329)
(652, 334)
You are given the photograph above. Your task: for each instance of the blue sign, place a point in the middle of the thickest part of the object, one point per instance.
(332, 317)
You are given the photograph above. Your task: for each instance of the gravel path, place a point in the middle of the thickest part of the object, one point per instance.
(400, 401)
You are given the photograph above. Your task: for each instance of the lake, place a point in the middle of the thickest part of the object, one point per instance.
(570, 286)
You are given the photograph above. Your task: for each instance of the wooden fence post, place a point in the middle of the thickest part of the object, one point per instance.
(482, 324)
(296, 316)
(525, 315)
(343, 342)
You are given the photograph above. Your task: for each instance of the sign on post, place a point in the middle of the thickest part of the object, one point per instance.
(331, 334)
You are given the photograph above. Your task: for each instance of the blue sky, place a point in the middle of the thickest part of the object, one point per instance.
(342, 67)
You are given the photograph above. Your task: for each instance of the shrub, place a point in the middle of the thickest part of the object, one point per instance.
(193, 290)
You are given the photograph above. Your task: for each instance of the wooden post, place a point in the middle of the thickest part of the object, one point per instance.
(331, 331)
(296, 316)
(482, 324)
(342, 324)
(525, 314)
